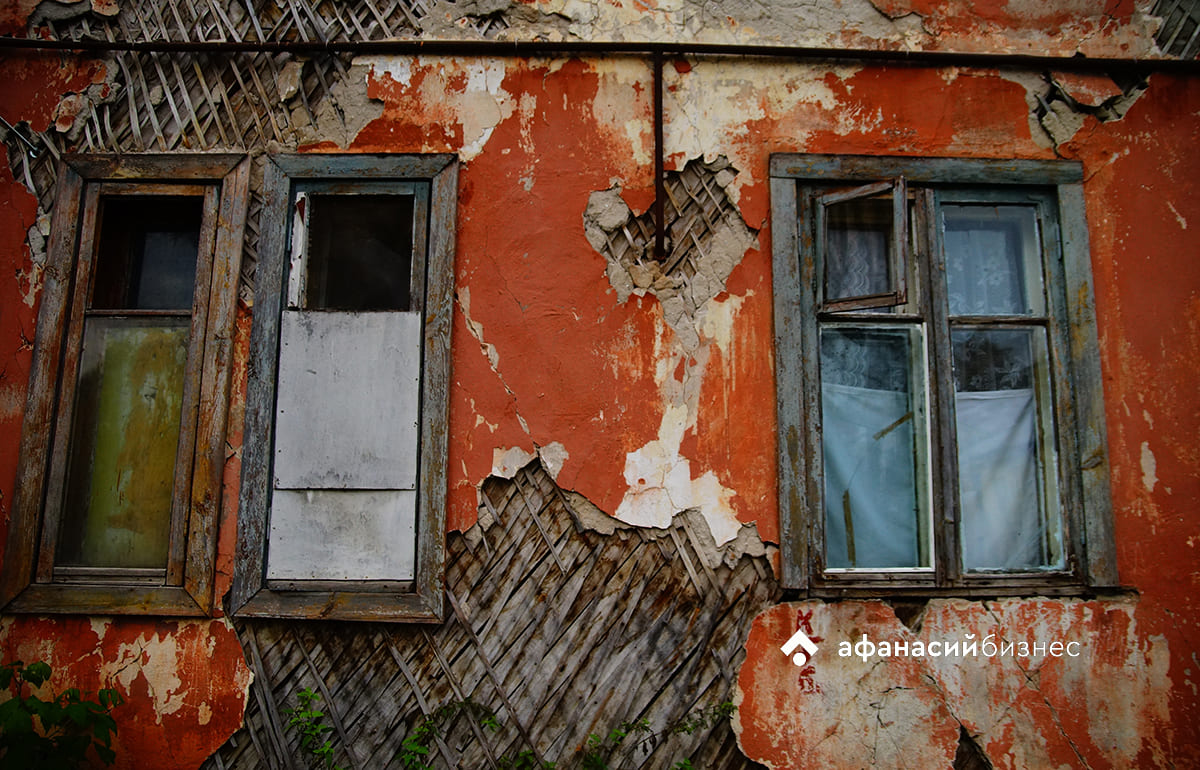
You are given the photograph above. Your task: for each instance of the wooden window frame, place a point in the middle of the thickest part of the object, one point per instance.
(797, 182)
(29, 583)
(419, 600)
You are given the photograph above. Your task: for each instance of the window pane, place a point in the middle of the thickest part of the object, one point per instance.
(1004, 437)
(993, 264)
(147, 253)
(359, 252)
(875, 445)
(859, 248)
(121, 470)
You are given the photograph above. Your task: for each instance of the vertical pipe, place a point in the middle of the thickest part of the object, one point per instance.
(660, 191)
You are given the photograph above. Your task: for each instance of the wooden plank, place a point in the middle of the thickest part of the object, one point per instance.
(365, 165)
(1087, 386)
(267, 707)
(151, 166)
(984, 171)
(255, 498)
(790, 402)
(214, 392)
(451, 758)
(22, 544)
(330, 705)
(185, 453)
(67, 375)
(99, 599)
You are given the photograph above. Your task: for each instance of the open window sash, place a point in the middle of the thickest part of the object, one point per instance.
(863, 247)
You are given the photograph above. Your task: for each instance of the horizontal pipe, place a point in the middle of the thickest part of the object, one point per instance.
(534, 48)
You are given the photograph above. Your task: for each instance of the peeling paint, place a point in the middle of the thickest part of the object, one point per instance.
(468, 98)
(905, 711)
(1149, 479)
(647, 392)
(1178, 217)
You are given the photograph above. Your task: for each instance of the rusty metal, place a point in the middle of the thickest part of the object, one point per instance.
(660, 189)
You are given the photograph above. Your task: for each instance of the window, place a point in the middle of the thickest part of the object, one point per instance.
(941, 424)
(344, 470)
(123, 447)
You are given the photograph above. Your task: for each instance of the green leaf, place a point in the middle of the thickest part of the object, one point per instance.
(14, 718)
(36, 673)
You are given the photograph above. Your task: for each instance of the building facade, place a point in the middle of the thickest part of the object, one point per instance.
(785, 385)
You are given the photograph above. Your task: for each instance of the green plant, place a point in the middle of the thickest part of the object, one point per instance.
(593, 755)
(310, 723)
(703, 719)
(53, 734)
(597, 750)
(415, 747)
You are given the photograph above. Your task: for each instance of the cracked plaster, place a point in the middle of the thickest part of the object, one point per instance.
(660, 479)
(466, 94)
(1061, 103)
(905, 711)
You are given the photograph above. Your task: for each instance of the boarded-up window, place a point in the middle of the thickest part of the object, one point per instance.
(342, 508)
(123, 445)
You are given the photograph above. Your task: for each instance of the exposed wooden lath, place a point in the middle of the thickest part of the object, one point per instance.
(561, 631)
(1179, 34)
(195, 102)
(695, 207)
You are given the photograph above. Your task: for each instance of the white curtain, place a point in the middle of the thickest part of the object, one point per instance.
(871, 477)
(998, 480)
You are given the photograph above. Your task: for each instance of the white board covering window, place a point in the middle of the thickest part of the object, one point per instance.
(343, 496)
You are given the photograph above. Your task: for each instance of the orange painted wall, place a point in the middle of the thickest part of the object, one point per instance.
(545, 354)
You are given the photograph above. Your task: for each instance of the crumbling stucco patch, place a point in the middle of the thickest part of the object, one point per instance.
(708, 238)
(1061, 103)
(343, 111)
(842, 709)
(588, 517)
(459, 96)
(506, 462)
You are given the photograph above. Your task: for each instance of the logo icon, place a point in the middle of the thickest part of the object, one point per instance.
(800, 639)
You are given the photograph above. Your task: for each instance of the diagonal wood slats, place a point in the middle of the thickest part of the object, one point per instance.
(559, 630)
(696, 206)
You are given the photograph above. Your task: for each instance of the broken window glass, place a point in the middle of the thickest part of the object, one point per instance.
(359, 252)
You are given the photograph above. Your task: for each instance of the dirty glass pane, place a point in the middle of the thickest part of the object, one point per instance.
(862, 244)
(875, 447)
(147, 253)
(1010, 517)
(993, 264)
(359, 252)
(121, 469)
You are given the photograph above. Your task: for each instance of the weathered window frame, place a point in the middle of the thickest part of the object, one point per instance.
(29, 583)
(797, 182)
(420, 600)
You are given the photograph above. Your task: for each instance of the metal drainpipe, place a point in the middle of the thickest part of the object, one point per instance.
(531, 48)
(657, 51)
(660, 187)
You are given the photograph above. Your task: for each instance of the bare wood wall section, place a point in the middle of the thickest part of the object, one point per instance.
(560, 630)
(193, 101)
